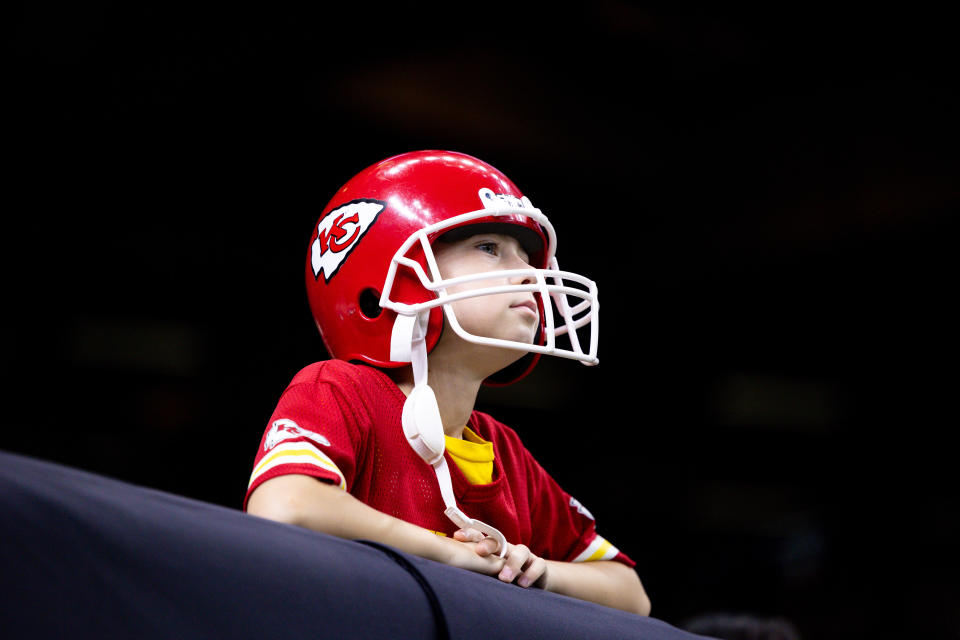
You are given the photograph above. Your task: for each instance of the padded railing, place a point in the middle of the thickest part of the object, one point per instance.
(84, 556)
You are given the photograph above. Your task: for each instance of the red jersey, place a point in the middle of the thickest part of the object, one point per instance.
(340, 423)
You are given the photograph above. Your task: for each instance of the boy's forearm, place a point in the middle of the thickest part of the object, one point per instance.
(349, 518)
(604, 581)
(307, 502)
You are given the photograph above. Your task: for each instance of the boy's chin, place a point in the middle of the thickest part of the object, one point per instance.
(486, 357)
(525, 335)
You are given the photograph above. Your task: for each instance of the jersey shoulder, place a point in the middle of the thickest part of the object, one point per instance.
(348, 374)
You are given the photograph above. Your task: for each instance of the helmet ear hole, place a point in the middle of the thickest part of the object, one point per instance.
(369, 302)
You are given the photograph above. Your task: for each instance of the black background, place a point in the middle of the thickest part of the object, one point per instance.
(766, 198)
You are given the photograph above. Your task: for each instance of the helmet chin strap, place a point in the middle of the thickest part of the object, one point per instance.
(421, 418)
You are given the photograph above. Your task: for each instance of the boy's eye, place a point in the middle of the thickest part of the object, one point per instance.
(488, 246)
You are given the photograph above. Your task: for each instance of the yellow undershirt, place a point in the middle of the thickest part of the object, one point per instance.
(473, 455)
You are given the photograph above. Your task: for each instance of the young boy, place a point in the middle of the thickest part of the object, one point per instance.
(428, 275)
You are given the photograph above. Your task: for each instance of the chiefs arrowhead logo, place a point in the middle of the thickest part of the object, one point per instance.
(339, 232)
(580, 508)
(285, 429)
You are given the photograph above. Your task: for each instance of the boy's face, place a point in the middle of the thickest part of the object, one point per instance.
(507, 316)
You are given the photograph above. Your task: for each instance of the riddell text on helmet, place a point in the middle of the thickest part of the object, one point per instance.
(338, 234)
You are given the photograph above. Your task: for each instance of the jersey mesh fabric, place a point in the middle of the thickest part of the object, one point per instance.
(348, 417)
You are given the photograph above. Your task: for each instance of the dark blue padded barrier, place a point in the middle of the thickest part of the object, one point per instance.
(83, 556)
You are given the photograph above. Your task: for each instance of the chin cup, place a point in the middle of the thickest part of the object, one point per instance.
(422, 425)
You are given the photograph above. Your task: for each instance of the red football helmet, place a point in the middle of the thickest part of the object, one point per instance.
(372, 279)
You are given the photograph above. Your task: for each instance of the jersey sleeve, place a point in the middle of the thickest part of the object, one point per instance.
(313, 431)
(568, 528)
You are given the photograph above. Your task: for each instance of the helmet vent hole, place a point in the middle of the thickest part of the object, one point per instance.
(370, 303)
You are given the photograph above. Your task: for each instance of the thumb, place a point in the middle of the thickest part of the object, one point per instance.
(468, 535)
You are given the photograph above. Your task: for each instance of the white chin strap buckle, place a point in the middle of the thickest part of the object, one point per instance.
(422, 424)
(460, 519)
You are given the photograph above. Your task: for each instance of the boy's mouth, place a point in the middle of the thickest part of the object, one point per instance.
(526, 304)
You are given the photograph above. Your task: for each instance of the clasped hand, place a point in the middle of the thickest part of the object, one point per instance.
(519, 565)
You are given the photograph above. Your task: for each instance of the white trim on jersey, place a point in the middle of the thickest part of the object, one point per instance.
(599, 549)
(296, 453)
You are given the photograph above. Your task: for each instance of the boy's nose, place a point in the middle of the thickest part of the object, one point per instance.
(525, 278)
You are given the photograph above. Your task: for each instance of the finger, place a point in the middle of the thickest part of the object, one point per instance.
(534, 574)
(517, 556)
